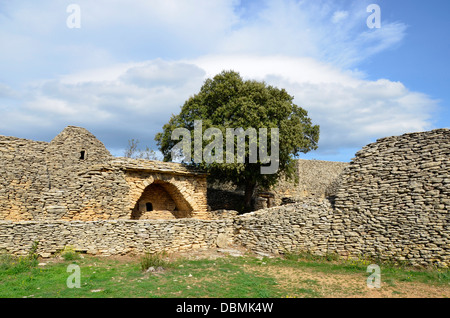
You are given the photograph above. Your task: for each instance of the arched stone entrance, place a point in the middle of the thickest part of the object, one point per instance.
(165, 195)
(161, 200)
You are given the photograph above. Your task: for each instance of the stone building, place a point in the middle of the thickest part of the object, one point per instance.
(391, 202)
(74, 177)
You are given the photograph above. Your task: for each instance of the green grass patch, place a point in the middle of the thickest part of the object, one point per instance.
(227, 277)
(390, 271)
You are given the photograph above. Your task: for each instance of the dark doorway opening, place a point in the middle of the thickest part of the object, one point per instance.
(161, 200)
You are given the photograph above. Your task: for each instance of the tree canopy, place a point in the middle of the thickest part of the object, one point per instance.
(228, 101)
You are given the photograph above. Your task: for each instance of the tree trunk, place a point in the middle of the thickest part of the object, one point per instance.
(248, 195)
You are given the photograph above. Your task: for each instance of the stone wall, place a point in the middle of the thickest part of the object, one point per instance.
(316, 178)
(394, 198)
(112, 237)
(74, 177)
(392, 202)
(21, 170)
(62, 179)
(310, 226)
(302, 226)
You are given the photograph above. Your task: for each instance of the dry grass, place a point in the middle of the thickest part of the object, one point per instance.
(313, 283)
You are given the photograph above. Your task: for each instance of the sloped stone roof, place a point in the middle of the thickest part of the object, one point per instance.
(153, 165)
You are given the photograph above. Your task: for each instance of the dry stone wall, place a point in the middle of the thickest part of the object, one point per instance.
(311, 226)
(112, 237)
(394, 198)
(21, 169)
(392, 203)
(74, 177)
(50, 181)
(316, 178)
(302, 226)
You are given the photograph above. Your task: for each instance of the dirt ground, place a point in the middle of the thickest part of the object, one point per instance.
(351, 285)
(330, 285)
(317, 284)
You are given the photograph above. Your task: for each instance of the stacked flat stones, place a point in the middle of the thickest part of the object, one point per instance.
(394, 199)
(392, 202)
(74, 177)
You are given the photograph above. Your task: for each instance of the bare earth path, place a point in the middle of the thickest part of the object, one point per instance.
(314, 283)
(331, 285)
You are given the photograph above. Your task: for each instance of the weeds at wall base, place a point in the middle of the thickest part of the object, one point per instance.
(19, 264)
(69, 253)
(155, 260)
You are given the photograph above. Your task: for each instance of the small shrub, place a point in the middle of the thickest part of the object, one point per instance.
(69, 253)
(32, 253)
(332, 257)
(154, 260)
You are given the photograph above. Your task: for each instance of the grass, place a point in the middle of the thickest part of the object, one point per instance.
(155, 260)
(69, 253)
(294, 275)
(391, 271)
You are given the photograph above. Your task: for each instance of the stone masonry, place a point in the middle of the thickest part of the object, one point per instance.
(74, 177)
(391, 203)
(394, 198)
(316, 178)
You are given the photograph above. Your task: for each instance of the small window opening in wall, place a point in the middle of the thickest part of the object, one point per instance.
(149, 206)
(82, 154)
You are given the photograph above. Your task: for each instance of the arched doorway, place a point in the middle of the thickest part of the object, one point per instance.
(161, 200)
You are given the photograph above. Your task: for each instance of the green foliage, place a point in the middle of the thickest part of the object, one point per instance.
(69, 253)
(228, 101)
(7, 261)
(18, 264)
(154, 260)
(32, 253)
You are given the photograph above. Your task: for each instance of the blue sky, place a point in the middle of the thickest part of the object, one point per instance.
(131, 64)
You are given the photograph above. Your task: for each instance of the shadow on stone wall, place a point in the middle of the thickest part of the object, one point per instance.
(225, 199)
(316, 179)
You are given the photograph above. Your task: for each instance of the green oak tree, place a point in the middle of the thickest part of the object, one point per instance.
(228, 101)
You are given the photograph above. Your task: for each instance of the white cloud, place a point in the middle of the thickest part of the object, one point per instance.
(133, 64)
(7, 92)
(161, 73)
(128, 102)
(351, 110)
(115, 32)
(322, 30)
(303, 69)
(339, 16)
